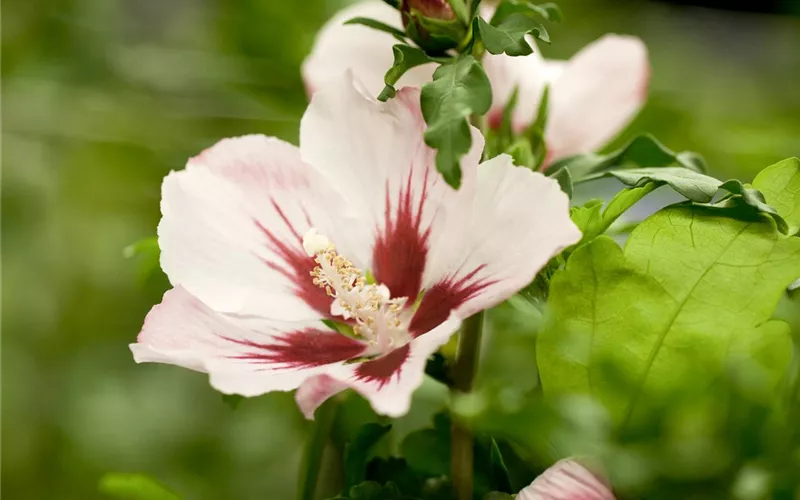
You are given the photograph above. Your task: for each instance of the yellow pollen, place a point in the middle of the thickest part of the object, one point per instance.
(376, 317)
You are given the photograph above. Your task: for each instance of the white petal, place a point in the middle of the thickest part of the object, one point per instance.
(520, 220)
(389, 382)
(232, 226)
(241, 357)
(599, 91)
(374, 154)
(365, 51)
(553, 68)
(315, 391)
(566, 480)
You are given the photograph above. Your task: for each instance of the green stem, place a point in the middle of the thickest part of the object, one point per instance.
(311, 463)
(463, 377)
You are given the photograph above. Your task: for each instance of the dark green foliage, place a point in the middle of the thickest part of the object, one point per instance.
(458, 90)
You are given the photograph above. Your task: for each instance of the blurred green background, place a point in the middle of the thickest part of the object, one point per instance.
(101, 98)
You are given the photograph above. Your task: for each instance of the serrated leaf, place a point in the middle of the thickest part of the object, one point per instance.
(458, 90)
(700, 188)
(780, 184)
(509, 35)
(498, 475)
(692, 293)
(642, 152)
(134, 487)
(357, 452)
(405, 58)
(378, 25)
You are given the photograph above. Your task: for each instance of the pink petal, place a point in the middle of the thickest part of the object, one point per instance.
(566, 480)
(528, 74)
(598, 93)
(375, 153)
(519, 221)
(242, 356)
(232, 226)
(388, 382)
(364, 51)
(315, 391)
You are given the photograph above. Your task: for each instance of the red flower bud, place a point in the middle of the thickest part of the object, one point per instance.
(432, 9)
(432, 24)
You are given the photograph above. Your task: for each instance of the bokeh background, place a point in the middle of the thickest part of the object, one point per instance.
(101, 98)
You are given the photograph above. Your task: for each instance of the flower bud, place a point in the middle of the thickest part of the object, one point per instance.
(432, 24)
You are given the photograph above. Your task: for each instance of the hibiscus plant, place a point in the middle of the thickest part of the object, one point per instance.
(429, 195)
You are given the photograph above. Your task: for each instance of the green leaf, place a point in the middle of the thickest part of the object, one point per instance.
(504, 135)
(474, 8)
(506, 8)
(691, 295)
(521, 153)
(693, 185)
(752, 198)
(134, 487)
(460, 9)
(458, 90)
(593, 221)
(642, 152)
(396, 471)
(370, 490)
(564, 179)
(498, 474)
(378, 25)
(508, 36)
(497, 495)
(549, 11)
(357, 452)
(701, 188)
(405, 58)
(780, 184)
(427, 451)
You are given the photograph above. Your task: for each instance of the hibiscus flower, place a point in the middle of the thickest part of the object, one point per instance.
(566, 480)
(592, 97)
(345, 262)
